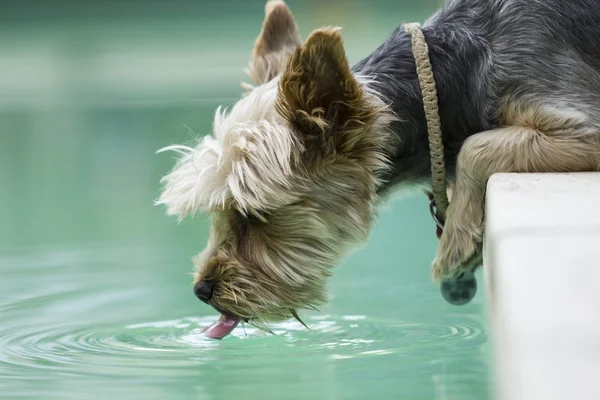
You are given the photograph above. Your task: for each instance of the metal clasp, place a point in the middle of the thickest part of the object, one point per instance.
(433, 211)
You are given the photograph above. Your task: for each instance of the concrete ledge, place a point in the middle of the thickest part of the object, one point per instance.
(542, 267)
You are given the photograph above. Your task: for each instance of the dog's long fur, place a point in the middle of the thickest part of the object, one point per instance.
(294, 170)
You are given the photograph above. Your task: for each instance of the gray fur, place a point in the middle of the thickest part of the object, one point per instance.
(487, 54)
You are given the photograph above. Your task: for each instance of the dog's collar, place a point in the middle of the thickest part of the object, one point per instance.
(438, 203)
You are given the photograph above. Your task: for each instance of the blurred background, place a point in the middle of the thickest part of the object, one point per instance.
(95, 288)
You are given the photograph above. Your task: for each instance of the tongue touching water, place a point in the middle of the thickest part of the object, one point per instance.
(96, 294)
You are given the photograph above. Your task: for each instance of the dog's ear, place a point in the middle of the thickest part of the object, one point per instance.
(277, 40)
(321, 98)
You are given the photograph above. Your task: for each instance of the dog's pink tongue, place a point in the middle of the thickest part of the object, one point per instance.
(222, 327)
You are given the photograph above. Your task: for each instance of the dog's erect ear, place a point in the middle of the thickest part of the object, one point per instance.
(278, 39)
(321, 98)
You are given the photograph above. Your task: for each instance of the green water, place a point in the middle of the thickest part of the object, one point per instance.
(95, 293)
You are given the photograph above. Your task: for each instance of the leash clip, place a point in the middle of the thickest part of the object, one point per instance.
(439, 222)
(433, 210)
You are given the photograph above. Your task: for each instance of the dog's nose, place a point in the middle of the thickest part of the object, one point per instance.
(204, 289)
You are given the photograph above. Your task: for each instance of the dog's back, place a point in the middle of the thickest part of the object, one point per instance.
(550, 50)
(537, 50)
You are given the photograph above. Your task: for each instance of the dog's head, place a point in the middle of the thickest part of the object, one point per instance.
(289, 176)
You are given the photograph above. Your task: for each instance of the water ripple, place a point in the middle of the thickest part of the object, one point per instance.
(180, 343)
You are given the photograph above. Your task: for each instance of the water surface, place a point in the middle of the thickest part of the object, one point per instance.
(95, 291)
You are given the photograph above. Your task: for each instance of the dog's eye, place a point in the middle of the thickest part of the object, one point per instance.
(257, 217)
(248, 221)
(252, 217)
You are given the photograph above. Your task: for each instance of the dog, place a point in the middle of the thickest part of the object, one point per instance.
(294, 172)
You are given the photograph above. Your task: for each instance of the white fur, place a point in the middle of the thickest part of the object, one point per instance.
(244, 162)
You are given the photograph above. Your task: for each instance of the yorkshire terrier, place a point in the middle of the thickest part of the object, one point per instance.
(294, 171)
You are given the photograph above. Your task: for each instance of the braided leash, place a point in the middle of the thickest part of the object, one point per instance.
(438, 203)
(462, 289)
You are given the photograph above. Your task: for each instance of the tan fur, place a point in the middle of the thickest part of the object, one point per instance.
(309, 138)
(537, 139)
(321, 98)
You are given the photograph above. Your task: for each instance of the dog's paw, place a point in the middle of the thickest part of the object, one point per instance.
(460, 290)
(457, 252)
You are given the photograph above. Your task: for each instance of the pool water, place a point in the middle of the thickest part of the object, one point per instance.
(95, 291)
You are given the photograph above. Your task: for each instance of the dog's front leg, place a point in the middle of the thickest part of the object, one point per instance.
(461, 239)
(510, 149)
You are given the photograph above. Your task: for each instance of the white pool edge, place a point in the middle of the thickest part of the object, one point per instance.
(542, 271)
